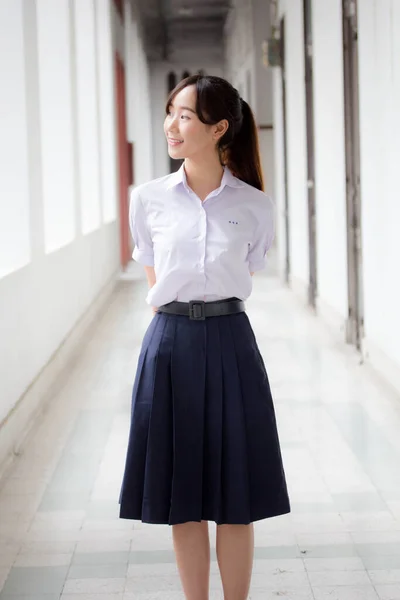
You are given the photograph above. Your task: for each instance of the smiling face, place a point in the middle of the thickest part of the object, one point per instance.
(187, 136)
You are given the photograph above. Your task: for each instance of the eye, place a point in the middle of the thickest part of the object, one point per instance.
(185, 117)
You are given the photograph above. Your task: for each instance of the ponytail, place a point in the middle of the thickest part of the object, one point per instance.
(242, 156)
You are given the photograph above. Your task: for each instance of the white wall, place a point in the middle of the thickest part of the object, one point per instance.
(379, 67)
(330, 182)
(239, 48)
(330, 170)
(296, 148)
(42, 300)
(140, 125)
(279, 174)
(87, 114)
(247, 26)
(379, 95)
(14, 188)
(56, 121)
(106, 108)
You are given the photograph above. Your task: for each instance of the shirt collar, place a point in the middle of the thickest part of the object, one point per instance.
(227, 179)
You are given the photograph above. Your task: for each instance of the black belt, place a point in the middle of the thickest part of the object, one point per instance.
(197, 310)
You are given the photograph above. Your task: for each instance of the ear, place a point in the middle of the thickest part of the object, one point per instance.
(220, 129)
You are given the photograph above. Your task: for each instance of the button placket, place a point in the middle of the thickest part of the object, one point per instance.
(202, 238)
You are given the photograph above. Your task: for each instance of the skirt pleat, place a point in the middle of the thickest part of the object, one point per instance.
(203, 441)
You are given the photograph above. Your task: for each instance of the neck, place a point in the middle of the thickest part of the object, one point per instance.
(204, 175)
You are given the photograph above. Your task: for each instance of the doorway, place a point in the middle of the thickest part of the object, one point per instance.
(355, 318)
(285, 163)
(312, 242)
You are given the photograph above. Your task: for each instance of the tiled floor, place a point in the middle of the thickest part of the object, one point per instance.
(60, 535)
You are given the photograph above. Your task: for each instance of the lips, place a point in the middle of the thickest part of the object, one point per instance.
(174, 142)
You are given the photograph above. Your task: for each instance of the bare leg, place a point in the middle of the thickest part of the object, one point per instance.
(192, 551)
(235, 551)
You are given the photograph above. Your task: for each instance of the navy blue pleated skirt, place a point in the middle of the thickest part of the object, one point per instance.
(203, 442)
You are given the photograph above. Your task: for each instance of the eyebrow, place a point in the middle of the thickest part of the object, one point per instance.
(185, 108)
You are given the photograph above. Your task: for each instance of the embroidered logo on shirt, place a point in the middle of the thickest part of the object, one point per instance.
(234, 222)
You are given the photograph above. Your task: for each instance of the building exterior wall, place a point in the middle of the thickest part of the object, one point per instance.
(379, 98)
(279, 173)
(330, 170)
(138, 97)
(296, 148)
(248, 25)
(59, 189)
(379, 78)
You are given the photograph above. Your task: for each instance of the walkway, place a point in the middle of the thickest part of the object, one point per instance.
(60, 535)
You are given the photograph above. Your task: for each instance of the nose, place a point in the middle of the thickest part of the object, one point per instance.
(173, 124)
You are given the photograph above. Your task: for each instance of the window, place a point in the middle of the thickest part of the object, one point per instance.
(14, 183)
(108, 147)
(55, 97)
(87, 114)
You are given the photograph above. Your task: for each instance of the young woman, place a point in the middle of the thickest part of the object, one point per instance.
(203, 444)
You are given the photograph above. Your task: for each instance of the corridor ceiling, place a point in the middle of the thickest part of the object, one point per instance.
(175, 27)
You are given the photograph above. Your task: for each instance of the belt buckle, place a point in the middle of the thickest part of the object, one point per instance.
(197, 310)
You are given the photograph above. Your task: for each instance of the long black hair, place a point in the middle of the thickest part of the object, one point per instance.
(239, 149)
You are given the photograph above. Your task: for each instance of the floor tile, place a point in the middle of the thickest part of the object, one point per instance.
(54, 517)
(366, 501)
(61, 533)
(268, 594)
(94, 586)
(375, 537)
(107, 524)
(4, 571)
(370, 521)
(278, 580)
(334, 564)
(116, 596)
(345, 593)
(153, 557)
(283, 565)
(144, 583)
(388, 592)
(48, 547)
(35, 580)
(385, 576)
(62, 501)
(162, 596)
(101, 558)
(29, 596)
(378, 563)
(325, 539)
(378, 549)
(113, 571)
(156, 570)
(43, 560)
(7, 560)
(277, 552)
(325, 551)
(335, 578)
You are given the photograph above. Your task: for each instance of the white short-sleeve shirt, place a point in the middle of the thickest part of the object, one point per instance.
(200, 250)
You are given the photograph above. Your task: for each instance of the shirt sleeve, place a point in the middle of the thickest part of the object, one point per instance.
(143, 251)
(263, 238)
